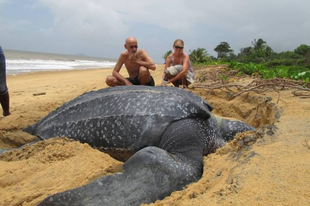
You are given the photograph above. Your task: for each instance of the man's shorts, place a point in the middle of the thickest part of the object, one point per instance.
(136, 81)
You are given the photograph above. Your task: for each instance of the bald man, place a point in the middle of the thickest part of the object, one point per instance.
(137, 62)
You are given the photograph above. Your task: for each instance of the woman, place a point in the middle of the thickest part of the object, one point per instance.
(4, 94)
(178, 69)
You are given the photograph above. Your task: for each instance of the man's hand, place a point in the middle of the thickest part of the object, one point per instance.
(133, 57)
(128, 83)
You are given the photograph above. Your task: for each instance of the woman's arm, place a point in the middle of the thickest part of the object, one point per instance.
(167, 64)
(184, 71)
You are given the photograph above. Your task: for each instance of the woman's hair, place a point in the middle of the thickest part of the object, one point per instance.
(180, 40)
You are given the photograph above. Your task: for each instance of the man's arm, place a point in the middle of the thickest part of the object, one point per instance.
(145, 60)
(117, 69)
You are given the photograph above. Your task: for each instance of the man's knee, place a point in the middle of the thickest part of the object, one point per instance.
(143, 71)
(109, 80)
(144, 76)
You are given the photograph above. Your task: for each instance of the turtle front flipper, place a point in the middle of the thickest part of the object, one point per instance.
(230, 127)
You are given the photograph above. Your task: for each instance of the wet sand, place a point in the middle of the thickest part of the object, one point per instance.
(251, 170)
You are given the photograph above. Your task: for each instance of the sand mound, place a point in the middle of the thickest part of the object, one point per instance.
(30, 174)
(57, 165)
(266, 168)
(254, 109)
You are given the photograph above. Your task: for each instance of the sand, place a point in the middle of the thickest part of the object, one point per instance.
(272, 168)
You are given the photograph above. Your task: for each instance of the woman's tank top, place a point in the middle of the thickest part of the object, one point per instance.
(190, 68)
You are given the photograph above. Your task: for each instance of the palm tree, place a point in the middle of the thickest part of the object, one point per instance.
(166, 55)
(259, 45)
(199, 55)
(223, 49)
(246, 50)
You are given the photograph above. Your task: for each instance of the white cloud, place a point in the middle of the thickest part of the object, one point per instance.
(86, 19)
(99, 27)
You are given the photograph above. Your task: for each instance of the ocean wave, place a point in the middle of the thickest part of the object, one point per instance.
(14, 66)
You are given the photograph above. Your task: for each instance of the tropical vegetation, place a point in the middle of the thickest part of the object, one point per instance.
(166, 55)
(258, 59)
(199, 55)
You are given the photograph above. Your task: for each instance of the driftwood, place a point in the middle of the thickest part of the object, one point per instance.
(306, 144)
(274, 85)
(37, 94)
(261, 86)
(301, 94)
(219, 86)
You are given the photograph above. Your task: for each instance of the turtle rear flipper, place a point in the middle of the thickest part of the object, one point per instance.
(150, 174)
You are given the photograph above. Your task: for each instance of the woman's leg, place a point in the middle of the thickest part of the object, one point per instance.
(185, 83)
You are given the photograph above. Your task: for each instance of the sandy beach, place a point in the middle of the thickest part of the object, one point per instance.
(268, 169)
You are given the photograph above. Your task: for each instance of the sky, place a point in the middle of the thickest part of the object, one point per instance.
(99, 27)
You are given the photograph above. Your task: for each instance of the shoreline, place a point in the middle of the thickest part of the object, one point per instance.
(55, 70)
(26, 61)
(105, 71)
(78, 68)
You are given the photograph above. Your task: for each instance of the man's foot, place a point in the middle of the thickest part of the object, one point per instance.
(6, 113)
(5, 103)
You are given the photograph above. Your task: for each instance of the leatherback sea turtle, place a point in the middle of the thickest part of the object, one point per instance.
(170, 128)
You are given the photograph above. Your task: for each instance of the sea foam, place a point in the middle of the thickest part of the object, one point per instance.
(32, 65)
(22, 61)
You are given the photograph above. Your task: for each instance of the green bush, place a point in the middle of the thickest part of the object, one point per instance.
(278, 62)
(245, 68)
(289, 72)
(304, 62)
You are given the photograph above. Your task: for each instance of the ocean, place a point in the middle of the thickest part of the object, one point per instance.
(23, 61)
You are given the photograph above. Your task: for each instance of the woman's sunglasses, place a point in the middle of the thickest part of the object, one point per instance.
(178, 47)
